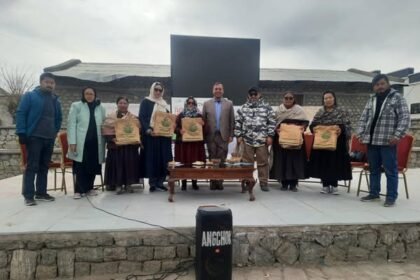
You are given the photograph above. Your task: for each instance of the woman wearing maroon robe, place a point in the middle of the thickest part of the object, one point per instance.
(188, 152)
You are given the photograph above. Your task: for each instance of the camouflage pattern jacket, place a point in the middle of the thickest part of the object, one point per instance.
(255, 121)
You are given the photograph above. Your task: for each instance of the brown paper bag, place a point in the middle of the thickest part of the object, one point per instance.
(164, 124)
(290, 136)
(127, 132)
(325, 137)
(193, 130)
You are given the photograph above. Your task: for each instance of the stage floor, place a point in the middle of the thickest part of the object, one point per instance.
(274, 208)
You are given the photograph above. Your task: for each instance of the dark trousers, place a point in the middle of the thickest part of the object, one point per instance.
(291, 183)
(83, 182)
(218, 149)
(383, 157)
(326, 183)
(39, 152)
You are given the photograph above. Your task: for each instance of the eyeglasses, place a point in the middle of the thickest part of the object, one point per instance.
(253, 93)
(190, 103)
(158, 89)
(288, 98)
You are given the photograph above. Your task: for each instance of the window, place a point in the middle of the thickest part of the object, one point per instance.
(415, 108)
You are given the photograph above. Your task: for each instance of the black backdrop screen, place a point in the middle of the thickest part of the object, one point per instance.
(198, 62)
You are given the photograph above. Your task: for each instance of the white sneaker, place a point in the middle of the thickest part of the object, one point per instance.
(92, 193)
(77, 196)
(325, 190)
(334, 191)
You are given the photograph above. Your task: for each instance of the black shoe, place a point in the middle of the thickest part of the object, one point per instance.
(293, 189)
(44, 197)
(389, 203)
(184, 185)
(162, 188)
(213, 185)
(370, 198)
(284, 188)
(152, 189)
(220, 187)
(110, 188)
(30, 202)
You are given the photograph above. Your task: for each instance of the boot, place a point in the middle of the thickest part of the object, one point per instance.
(194, 185)
(184, 185)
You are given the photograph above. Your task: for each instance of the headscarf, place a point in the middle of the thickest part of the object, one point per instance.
(337, 116)
(160, 103)
(295, 112)
(190, 113)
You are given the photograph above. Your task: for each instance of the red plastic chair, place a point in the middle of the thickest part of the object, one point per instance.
(67, 163)
(357, 146)
(309, 141)
(404, 148)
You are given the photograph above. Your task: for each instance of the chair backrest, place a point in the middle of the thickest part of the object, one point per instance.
(404, 150)
(23, 156)
(357, 146)
(309, 141)
(62, 139)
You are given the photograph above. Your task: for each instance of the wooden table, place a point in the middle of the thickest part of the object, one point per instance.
(224, 172)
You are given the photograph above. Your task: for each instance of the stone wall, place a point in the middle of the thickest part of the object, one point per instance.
(5, 117)
(10, 157)
(67, 255)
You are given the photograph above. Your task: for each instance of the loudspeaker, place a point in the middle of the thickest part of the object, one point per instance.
(213, 235)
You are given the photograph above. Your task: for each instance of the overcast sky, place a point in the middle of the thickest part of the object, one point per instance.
(310, 34)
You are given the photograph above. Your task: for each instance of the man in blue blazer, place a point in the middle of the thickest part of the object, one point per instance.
(38, 120)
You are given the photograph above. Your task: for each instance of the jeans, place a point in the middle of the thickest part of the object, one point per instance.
(156, 182)
(39, 152)
(383, 157)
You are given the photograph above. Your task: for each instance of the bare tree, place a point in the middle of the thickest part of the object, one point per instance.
(15, 82)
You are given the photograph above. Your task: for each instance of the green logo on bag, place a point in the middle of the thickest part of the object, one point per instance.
(193, 127)
(128, 129)
(326, 135)
(166, 122)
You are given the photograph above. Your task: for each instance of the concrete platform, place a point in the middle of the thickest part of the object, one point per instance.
(275, 208)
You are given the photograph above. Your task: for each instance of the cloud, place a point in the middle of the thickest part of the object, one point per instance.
(322, 34)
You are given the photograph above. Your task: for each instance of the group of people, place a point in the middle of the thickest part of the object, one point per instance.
(384, 121)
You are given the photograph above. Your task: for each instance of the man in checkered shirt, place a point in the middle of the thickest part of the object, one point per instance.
(384, 121)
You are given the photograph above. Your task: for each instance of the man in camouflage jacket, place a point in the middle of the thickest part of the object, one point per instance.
(384, 121)
(254, 129)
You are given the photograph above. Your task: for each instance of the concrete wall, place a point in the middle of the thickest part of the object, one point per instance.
(67, 255)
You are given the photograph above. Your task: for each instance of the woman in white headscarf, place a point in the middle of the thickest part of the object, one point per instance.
(157, 150)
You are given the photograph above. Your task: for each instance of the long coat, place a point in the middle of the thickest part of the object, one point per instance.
(157, 151)
(77, 126)
(227, 120)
